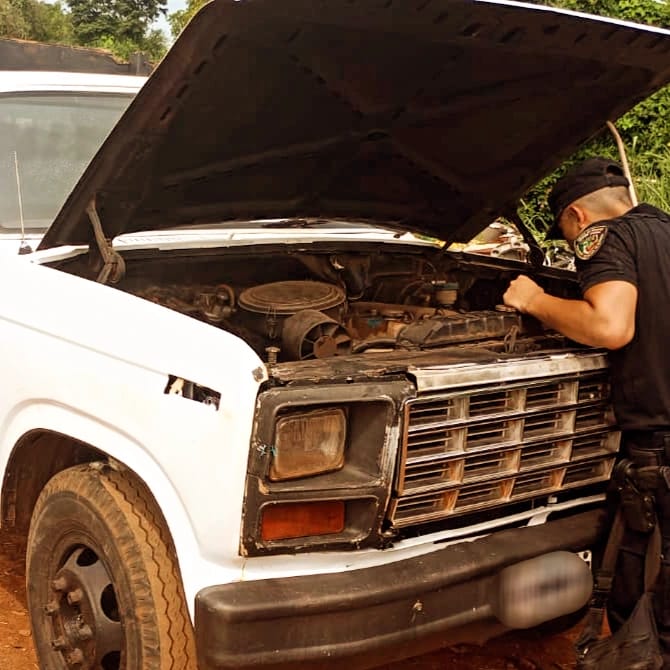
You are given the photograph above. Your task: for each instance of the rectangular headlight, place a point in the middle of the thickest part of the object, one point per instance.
(308, 443)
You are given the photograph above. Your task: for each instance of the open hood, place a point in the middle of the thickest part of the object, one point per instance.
(435, 115)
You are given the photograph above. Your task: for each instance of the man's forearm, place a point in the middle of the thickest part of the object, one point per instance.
(576, 319)
(605, 317)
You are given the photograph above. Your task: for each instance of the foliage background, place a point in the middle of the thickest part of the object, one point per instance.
(125, 26)
(179, 19)
(645, 130)
(122, 26)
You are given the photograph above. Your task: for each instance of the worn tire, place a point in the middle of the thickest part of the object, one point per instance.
(104, 591)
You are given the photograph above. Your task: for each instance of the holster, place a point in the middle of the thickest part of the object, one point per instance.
(638, 488)
(643, 481)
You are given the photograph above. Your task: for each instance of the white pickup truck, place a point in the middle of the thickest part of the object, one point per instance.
(51, 124)
(254, 414)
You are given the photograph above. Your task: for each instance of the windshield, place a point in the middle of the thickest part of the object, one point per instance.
(51, 138)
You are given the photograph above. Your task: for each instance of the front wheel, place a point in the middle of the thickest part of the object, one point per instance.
(104, 591)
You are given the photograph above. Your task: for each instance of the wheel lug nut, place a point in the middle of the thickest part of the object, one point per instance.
(59, 584)
(59, 643)
(75, 657)
(51, 608)
(75, 596)
(85, 632)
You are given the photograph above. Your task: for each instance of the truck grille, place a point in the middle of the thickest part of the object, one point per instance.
(483, 447)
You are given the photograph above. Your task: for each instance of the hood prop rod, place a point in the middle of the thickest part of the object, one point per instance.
(624, 162)
(113, 265)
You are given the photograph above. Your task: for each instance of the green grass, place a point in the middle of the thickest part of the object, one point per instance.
(652, 179)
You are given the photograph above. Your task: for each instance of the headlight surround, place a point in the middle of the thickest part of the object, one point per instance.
(308, 443)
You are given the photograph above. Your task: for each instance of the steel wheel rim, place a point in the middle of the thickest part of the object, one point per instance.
(84, 613)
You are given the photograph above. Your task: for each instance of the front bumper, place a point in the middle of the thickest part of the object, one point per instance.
(369, 616)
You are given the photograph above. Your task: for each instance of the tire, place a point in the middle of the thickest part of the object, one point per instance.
(104, 591)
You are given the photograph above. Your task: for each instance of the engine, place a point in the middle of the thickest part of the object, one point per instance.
(297, 306)
(304, 319)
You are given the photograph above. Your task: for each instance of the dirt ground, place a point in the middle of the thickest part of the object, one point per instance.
(527, 651)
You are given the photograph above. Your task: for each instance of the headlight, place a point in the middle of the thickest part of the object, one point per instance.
(308, 443)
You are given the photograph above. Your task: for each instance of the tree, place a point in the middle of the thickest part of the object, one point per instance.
(651, 12)
(123, 26)
(51, 23)
(35, 20)
(179, 19)
(153, 45)
(645, 129)
(125, 19)
(13, 22)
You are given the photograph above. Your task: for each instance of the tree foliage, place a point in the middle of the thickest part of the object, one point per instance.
(123, 26)
(124, 19)
(35, 20)
(178, 20)
(645, 129)
(651, 12)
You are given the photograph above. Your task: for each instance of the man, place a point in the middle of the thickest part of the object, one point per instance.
(623, 266)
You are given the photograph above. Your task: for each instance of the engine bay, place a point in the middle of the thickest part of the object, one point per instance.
(304, 306)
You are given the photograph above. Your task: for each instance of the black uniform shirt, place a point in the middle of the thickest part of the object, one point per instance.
(637, 250)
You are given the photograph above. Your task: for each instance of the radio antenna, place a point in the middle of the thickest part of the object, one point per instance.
(24, 248)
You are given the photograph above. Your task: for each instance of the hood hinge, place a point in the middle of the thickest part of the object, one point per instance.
(113, 265)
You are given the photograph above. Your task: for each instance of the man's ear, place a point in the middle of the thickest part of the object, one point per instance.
(578, 215)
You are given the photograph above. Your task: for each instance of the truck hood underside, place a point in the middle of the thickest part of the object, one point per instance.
(430, 115)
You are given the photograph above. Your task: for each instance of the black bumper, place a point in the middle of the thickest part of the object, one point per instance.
(369, 616)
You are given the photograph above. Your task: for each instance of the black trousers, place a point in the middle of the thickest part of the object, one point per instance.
(645, 449)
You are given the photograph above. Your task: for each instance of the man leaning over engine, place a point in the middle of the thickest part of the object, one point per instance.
(623, 265)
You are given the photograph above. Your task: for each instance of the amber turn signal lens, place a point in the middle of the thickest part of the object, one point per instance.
(289, 520)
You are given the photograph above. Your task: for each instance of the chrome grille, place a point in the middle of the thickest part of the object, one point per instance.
(488, 446)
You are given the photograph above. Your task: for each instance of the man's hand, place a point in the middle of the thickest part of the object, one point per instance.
(521, 293)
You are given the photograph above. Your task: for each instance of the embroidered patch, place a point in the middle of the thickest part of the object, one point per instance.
(589, 242)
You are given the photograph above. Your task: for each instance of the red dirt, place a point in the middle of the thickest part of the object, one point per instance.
(521, 651)
(16, 649)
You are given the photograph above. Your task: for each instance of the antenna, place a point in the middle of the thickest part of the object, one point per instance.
(24, 248)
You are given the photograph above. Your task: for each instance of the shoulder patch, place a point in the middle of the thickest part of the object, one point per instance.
(589, 241)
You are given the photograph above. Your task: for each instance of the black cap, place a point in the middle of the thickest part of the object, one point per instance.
(587, 177)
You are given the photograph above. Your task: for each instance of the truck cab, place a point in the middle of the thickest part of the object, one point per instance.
(52, 122)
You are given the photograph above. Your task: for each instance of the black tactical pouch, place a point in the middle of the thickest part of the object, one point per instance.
(635, 645)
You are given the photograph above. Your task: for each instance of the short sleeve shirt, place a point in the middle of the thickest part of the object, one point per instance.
(636, 249)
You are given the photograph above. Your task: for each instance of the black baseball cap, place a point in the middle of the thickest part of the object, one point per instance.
(582, 179)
